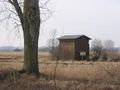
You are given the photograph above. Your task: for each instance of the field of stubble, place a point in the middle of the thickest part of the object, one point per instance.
(70, 75)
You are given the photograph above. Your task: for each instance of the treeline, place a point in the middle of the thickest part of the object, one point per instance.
(104, 50)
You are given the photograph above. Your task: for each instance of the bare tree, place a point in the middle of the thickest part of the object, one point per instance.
(97, 48)
(109, 45)
(53, 44)
(109, 52)
(108, 48)
(26, 14)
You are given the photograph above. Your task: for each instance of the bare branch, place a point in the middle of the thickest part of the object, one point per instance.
(11, 2)
(18, 9)
(48, 14)
(12, 11)
(14, 18)
(44, 4)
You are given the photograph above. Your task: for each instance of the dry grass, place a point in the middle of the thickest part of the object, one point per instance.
(69, 76)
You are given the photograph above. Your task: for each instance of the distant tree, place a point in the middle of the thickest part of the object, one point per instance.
(53, 44)
(17, 49)
(109, 51)
(109, 45)
(96, 48)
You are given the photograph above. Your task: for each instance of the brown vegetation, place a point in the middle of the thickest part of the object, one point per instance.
(69, 75)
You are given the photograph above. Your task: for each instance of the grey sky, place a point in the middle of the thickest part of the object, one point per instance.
(95, 18)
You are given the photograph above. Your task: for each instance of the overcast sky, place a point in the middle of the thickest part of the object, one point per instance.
(94, 18)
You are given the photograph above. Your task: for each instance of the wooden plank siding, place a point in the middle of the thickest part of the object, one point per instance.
(68, 48)
(81, 44)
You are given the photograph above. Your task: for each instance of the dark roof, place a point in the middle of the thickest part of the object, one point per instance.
(72, 37)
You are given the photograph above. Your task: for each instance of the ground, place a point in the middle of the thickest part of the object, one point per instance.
(70, 75)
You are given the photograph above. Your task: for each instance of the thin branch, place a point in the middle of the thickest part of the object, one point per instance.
(48, 12)
(14, 18)
(18, 9)
(11, 2)
(12, 11)
(44, 4)
(55, 70)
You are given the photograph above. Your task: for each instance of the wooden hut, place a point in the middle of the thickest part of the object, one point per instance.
(74, 47)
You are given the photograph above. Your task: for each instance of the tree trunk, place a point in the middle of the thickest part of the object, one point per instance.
(30, 55)
(31, 35)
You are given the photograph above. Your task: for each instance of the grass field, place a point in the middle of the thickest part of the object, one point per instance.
(77, 75)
